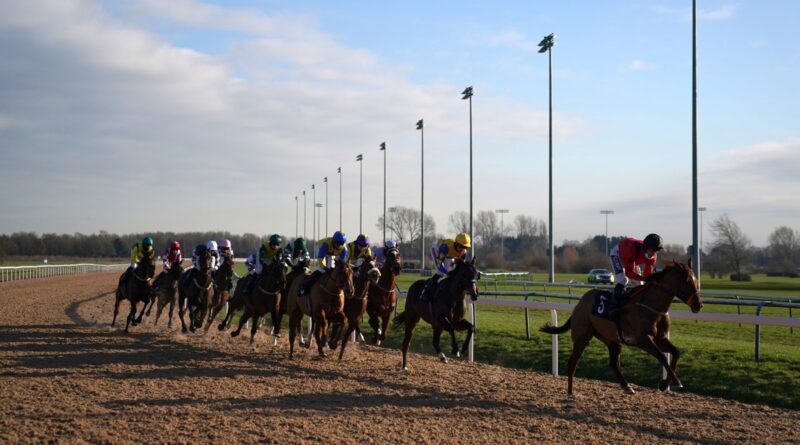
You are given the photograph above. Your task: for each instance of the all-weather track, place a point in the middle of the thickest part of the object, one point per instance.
(67, 377)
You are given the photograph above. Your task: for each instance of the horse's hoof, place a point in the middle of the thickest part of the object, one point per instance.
(221, 327)
(275, 341)
(377, 342)
(678, 384)
(456, 353)
(629, 390)
(442, 358)
(663, 385)
(404, 369)
(235, 334)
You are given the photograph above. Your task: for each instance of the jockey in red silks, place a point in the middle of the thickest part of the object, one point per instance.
(172, 255)
(633, 261)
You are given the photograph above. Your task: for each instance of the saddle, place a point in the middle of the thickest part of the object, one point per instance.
(604, 307)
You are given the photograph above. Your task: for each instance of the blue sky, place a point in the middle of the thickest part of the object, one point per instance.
(236, 107)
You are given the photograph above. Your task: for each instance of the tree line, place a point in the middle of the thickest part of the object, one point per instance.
(518, 244)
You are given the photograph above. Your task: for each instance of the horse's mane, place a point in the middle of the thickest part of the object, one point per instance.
(661, 273)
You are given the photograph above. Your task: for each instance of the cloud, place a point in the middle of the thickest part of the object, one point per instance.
(639, 65)
(128, 132)
(512, 39)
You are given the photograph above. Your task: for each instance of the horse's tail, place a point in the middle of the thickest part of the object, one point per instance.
(399, 319)
(555, 329)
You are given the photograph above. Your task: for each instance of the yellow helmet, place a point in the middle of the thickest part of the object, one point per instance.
(463, 239)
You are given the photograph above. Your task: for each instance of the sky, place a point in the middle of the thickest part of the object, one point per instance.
(134, 116)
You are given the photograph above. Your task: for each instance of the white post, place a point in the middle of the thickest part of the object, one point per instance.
(664, 370)
(554, 322)
(472, 339)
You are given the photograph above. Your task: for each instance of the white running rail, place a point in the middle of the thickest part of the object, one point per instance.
(51, 270)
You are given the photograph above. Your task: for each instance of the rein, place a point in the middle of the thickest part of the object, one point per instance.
(201, 287)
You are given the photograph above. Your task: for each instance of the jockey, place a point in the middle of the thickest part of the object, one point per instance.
(629, 257)
(250, 263)
(380, 252)
(201, 249)
(269, 252)
(225, 248)
(296, 253)
(358, 251)
(445, 253)
(331, 249)
(140, 250)
(172, 255)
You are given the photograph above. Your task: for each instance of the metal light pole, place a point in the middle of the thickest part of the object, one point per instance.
(392, 210)
(502, 213)
(360, 159)
(606, 212)
(467, 94)
(339, 170)
(421, 128)
(546, 45)
(326, 205)
(383, 149)
(700, 250)
(296, 219)
(304, 216)
(314, 215)
(694, 141)
(319, 219)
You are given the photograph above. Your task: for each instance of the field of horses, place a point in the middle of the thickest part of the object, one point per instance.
(68, 377)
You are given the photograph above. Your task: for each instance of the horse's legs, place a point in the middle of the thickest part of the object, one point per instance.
(152, 300)
(578, 345)
(646, 342)
(614, 352)
(385, 320)
(131, 315)
(141, 314)
(665, 345)
(212, 315)
(294, 325)
(411, 323)
(351, 327)
(437, 336)
(254, 327)
(445, 323)
(181, 311)
(171, 311)
(116, 306)
(242, 321)
(159, 309)
(320, 332)
(464, 325)
(374, 324)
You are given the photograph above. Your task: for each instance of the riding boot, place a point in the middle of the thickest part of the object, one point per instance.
(617, 300)
(251, 283)
(430, 288)
(306, 288)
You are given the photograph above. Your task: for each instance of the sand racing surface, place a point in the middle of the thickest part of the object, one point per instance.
(66, 376)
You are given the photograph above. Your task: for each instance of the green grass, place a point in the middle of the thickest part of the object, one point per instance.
(718, 358)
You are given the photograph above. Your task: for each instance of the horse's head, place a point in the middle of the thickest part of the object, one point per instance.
(393, 259)
(465, 278)
(148, 264)
(206, 260)
(176, 270)
(681, 278)
(275, 277)
(367, 270)
(343, 277)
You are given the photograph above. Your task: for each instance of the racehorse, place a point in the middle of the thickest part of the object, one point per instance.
(644, 322)
(236, 302)
(355, 305)
(194, 293)
(134, 286)
(165, 290)
(265, 297)
(223, 282)
(444, 310)
(324, 303)
(298, 271)
(382, 298)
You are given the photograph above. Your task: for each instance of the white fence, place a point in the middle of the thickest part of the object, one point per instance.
(52, 270)
(756, 320)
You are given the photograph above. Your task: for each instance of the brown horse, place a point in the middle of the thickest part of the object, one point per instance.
(445, 311)
(265, 297)
(236, 302)
(194, 293)
(645, 322)
(165, 290)
(324, 303)
(223, 282)
(135, 287)
(297, 271)
(356, 305)
(382, 298)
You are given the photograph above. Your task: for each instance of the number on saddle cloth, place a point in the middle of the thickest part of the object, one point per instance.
(602, 305)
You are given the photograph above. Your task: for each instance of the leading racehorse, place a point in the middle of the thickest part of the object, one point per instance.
(445, 309)
(644, 322)
(223, 282)
(135, 287)
(194, 293)
(381, 299)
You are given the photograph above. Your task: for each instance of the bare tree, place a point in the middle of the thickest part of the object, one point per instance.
(730, 244)
(404, 224)
(784, 249)
(487, 227)
(459, 222)
(527, 227)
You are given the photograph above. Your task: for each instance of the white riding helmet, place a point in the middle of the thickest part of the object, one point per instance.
(211, 245)
(225, 243)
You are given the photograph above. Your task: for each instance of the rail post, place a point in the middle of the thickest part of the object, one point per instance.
(554, 322)
(527, 323)
(758, 333)
(471, 353)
